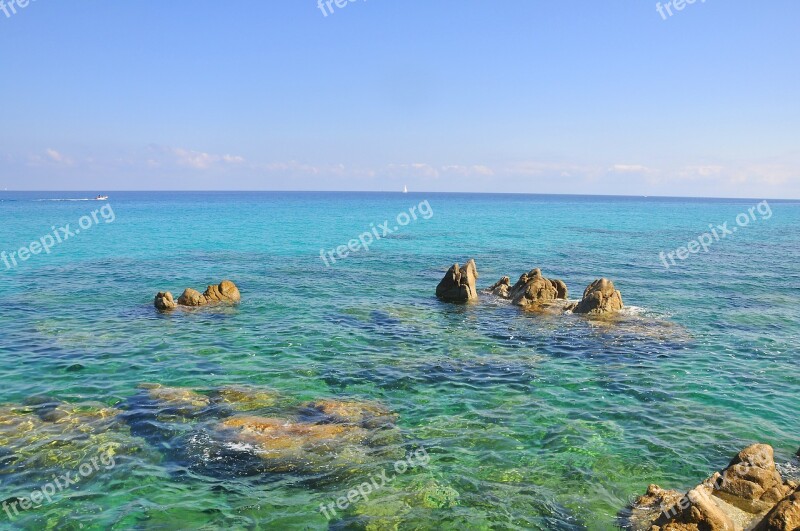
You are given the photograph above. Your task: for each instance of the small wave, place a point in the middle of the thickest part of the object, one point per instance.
(240, 447)
(633, 310)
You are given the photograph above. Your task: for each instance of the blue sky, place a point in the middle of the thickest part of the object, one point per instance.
(477, 96)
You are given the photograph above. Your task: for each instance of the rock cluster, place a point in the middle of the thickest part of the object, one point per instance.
(458, 284)
(532, 291)
(748, 494)
(225, 292)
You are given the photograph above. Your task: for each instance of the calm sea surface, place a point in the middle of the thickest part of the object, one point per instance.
(530, 421)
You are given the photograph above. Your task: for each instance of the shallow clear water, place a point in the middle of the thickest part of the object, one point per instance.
(536, 421)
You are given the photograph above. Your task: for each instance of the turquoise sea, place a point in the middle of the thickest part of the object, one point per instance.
(530, 421)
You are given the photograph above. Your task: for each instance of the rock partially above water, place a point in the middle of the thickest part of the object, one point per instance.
(192, 297)
(225, 292)
(501, 287)
(164, 301)
(532, 290)
(599, 298)
(785, 516)
(458, 284)
(751, 482)
(749, 494)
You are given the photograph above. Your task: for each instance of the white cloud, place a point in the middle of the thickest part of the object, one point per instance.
(202, 161)
(630, 168)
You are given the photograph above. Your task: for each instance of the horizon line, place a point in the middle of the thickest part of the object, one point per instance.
(638, 196)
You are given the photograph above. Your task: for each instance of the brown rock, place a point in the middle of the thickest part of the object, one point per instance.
(751, 482)
(458, 284)
(274, 437)
(191, 297)
(599, 298)
(365, 414)
(697, 511)
(533, 289)
(646, 509)
(501, 287)
(785, 516)
(561, 288)
(164, 301)
(246, 398)
(178, 399)
(225, 292)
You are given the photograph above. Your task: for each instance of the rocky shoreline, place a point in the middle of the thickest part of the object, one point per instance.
(748, 495)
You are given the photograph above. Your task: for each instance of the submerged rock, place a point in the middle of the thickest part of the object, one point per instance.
(205, 432)
(225, 292)
(246, 398)
(284, 445)
(176, 399)
(365, 414)
(42, 436)
(734, 499)
(599, 298)
(458, 284)
(434, 495)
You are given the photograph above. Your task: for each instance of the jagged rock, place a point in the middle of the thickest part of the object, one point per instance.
(533, 289)
(191, 297)
(785, 516)
(164, 301)
(561, 288)
(458, 284)
(751, 482)
(697, 511)
(226, 291)
(735, 499)
(646, 509)
(501, 287)
(599, 298)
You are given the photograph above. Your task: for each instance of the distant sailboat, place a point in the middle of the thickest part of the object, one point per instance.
(405, 189)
